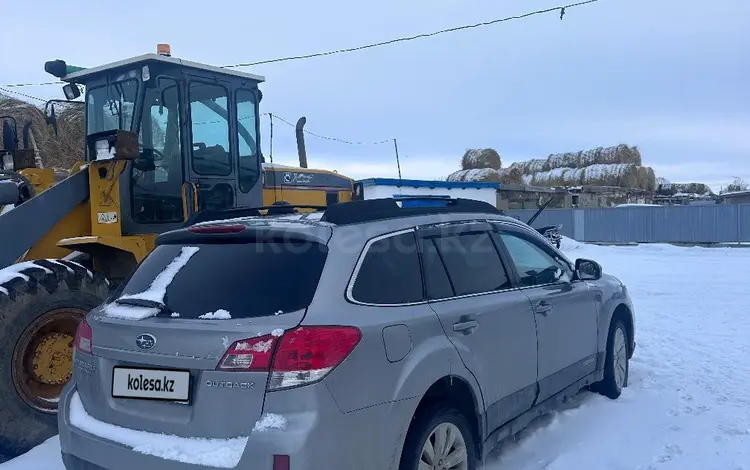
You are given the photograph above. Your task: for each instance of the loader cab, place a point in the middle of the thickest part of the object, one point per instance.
(198, 133)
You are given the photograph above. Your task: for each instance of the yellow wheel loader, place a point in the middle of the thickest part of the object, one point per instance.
(165, 139)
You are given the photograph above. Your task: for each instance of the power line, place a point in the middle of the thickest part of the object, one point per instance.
(19, 85)
(332, 138)
(561, 9)
(22, 94)
(272, 116)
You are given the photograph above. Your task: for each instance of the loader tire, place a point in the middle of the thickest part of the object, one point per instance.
(40, 309)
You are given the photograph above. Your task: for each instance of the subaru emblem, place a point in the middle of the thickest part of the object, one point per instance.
(145, 341)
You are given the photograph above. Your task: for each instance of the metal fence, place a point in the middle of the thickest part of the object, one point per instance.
(720, 223)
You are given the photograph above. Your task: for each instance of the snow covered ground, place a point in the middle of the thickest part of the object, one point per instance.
(688, 403)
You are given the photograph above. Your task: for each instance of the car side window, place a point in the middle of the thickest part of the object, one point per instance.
(534, 265)
(390, 272)
(473, 263)
(437, 284)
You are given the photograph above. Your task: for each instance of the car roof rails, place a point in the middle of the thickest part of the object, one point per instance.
(278, 208)
(369, 210)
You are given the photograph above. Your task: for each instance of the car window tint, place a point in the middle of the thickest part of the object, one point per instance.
(436, 278)
(473, 263)
(534, 265)
(246, 279)
(390, 272)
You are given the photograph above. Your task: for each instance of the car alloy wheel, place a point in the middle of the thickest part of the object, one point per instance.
(444, 449)
(620, 359)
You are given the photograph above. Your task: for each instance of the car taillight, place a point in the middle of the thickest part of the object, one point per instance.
(84, 337)
(249, 355)
(281, 462)
(300, 356)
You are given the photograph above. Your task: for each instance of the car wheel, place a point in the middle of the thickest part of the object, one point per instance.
(440, 439)
(616, 364)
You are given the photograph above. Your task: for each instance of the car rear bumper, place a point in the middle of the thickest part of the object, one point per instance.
(326, 438)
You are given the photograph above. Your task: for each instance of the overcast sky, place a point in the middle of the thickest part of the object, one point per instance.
(671, 76)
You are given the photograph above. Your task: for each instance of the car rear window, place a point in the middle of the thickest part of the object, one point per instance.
(246, 280)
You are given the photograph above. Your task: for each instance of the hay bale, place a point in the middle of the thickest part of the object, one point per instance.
(625, 175)
(601, 155)
(531, 166)
(647, 178)
(503, 175)
(474, 175)
(564, 160)
(510, 175)
(59, 151)
(481, 158)
(670, 189)
(619, 165)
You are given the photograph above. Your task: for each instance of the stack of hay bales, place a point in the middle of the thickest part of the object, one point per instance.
(619, 166)
(670, 189)
(485, 165)
(503, 175)
(59, 151)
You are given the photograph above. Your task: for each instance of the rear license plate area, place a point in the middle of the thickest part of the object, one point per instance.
(151, 384)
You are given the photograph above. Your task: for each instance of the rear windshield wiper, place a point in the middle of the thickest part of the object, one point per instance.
(145, 303)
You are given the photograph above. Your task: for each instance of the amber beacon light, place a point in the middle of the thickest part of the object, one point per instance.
(164, 49)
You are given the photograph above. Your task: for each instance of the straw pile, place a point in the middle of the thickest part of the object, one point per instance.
(481, 158)
(503, 175)
(612, 166)
(670, 189)
(601, 156)
(624, 175)
(618, 166)
(59, 151)
(485, 165)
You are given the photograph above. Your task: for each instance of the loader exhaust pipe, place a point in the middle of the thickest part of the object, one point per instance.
(10, 133)
(300, 131)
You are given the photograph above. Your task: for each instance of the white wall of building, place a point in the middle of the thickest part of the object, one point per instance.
(481, 194)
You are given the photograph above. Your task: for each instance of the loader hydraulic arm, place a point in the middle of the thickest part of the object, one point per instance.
(22, 227)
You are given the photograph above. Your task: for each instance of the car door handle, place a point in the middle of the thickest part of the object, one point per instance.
(466, 327)
(543, 308)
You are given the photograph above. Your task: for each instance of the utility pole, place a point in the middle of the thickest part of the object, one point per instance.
(398, 162)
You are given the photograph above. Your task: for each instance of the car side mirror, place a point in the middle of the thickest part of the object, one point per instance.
(113, 144)
(71, 91)
(588, 270)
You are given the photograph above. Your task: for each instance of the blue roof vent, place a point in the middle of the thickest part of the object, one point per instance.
(421, 200)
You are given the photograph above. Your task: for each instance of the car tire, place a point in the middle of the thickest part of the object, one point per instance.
(441, 420)
(616, 363)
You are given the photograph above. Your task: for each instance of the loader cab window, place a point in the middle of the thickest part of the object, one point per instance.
(210, 129)
(157, 175)
(111, 106)
(249, 161)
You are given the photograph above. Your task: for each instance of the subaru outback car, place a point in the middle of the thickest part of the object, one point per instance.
(368, 336)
